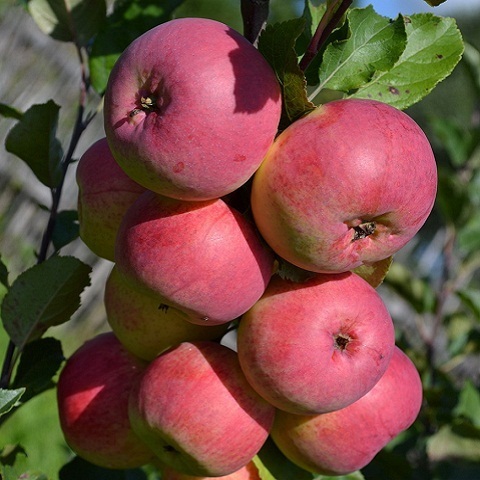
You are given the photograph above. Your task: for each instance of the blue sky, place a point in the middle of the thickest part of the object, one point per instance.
(391, 8)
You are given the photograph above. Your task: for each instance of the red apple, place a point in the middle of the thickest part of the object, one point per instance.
(248, 472)
(93, 391)
(348, 184)
(341, 442)
(145, 326)
(316, 346)
(191, 108)
(197, 412)
(104, 194)
(203, 258)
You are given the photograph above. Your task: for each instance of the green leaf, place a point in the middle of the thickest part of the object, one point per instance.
(128, 21)
(471, 60)
(33, 139)
(9, 112)
(434, 47)
(9, 453)
(435, 3)
(376, 272)
(416, 291)
(8, 398)
(277, 45)
(39, 362)
(471, 298)
(45, 295)
(374, 45)
(66, 229)
(458, 140)
(270, 459)
(469, 404)
(80, 469)
(69, 20)
(451, 443)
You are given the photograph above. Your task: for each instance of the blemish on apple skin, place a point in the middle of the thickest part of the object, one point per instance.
(239, 158)
(178, 167)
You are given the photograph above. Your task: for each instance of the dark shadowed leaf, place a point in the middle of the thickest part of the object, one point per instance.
(45, 295)
(9, 112)
(79, 469)
(66, 228)
(277, 44)
(69, 20)
(33, 139)
(3, 274)
(9, 454)
(8, 398)
(40, 361)
(127, 22)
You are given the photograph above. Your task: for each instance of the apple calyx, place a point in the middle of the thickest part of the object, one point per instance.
(341, 341)
(364, 230)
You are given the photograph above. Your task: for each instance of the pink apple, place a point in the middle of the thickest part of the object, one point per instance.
(104, 194)
(197, 412)
(248, 472)
(316, 346)
(145, 326)
(191, 108)
(93, 391)
(203, 258)
(341, 442)
(348, 184)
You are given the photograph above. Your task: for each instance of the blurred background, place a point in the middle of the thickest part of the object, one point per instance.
(437, 325)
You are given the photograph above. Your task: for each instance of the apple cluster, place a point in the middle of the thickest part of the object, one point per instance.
(192, 113)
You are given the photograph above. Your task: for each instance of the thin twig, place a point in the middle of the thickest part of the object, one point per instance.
(331, 18)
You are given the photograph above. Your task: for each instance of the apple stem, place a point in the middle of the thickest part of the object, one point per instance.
(364, 230)
(332, 16)
(254, 15)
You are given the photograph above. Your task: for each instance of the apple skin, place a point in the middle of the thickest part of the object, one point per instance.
(104, 194)
(331, 173)
(316, 346)
(212, 110)
(197, 412)
(341, 442)
(145, 326)
(92, 393)
(203, 258)
(248, 472)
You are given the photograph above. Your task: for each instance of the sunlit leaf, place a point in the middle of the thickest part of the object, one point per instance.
(434, 47)
(374, 45)
(8, 398)
(69, 20)
(375, 273)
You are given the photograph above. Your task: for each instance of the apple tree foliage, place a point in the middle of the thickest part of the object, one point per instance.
(329, 50)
